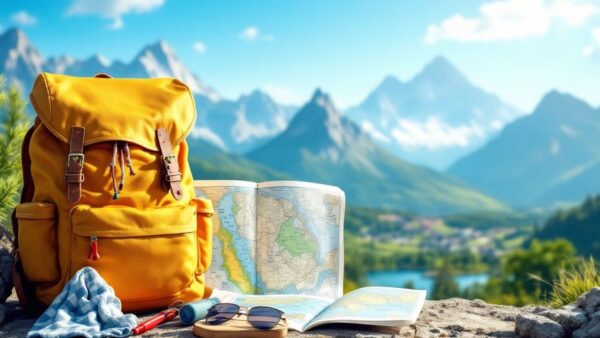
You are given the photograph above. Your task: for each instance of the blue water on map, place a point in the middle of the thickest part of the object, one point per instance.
(243, 248)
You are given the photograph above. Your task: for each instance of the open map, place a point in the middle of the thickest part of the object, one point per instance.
(381, 306)
(280, 237)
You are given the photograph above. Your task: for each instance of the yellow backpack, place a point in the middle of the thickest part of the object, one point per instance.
(107, 185)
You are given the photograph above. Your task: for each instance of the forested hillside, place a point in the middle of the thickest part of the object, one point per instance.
(580, 225)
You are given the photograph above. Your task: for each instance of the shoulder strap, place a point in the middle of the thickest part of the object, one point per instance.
(74, 168)
(172, 175)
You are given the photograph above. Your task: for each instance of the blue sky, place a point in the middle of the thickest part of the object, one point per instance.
(518, 49)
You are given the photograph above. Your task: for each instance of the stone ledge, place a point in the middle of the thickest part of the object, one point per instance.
(447, 318)
(453, 317)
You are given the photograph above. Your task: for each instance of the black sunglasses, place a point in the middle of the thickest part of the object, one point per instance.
(261, 317)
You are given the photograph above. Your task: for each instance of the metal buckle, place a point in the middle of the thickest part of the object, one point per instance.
(77, 157)
(167, 159)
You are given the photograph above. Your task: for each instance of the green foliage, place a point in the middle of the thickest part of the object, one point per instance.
(378, 255)
(354, 265)
(209, 162)
(409, 284)
(542, 260)
(12, 130)
(580, 276)
(520, 280)
(488, 220)
(444, 285)
(580, 225)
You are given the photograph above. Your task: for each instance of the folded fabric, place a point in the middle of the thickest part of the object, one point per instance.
(86, 307)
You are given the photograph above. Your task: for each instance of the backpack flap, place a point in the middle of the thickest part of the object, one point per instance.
(152, 113)
(109, 109)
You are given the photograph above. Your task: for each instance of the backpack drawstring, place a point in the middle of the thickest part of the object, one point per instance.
(128, 159)
(120, 150)
(112, 170)
(122, 167)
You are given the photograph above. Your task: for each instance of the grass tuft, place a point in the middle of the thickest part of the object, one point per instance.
(572, 281)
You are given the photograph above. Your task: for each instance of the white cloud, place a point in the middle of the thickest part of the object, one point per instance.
(252, 33)
(249, 34)
(376, 134)
(23, 18)
(435, 134)
(283, 94)
(512, 20)
(112, 9)
(199, 47)
(593, 49)
(208, 135)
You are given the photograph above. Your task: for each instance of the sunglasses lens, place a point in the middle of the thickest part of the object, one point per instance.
(221, 313)
(264, 317)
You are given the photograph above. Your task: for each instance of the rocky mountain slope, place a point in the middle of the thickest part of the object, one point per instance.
(323, 146)
(433, 119)
(233, 124)
(209, 162)
(20, 62)
(548, 158)
(243, 124)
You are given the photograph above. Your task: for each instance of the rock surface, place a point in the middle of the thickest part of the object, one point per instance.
(446, 318)
(536, 326)
(579, 320)
(590, 301)
(463, 318)
(6, 263)
(569, 317)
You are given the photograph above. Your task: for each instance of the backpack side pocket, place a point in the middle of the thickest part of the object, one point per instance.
(37, 241)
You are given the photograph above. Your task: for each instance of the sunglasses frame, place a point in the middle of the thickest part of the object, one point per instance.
(244, 310)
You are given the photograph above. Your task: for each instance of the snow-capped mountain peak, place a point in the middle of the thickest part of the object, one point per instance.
(58, 64)
(159, 60)
(440, 70)
(320, 117)
(20, 62)
(433, 119)
(237, 125)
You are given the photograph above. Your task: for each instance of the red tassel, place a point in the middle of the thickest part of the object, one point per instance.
(93, 254)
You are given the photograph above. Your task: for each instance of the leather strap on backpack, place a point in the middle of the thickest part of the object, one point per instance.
(75, 158)
(172, 175)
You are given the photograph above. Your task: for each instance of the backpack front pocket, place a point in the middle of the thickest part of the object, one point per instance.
(141, 253)
(37, 241)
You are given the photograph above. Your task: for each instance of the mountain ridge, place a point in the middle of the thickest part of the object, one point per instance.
(540, 155)
(422, 121)
(329, 148)
(243, 123)
(21, 63)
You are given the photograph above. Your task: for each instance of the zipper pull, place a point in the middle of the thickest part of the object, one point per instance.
(93, 254)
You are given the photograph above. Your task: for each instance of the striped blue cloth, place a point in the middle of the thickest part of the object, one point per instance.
(86, 307)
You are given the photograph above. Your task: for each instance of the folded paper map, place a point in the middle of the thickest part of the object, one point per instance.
(381, 306)
(281, 237)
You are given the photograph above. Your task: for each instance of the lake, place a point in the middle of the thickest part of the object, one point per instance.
(420, 279)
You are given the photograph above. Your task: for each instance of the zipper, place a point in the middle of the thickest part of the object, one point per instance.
(93, 254)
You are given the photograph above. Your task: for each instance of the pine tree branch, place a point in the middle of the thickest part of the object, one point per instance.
(12, 130)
